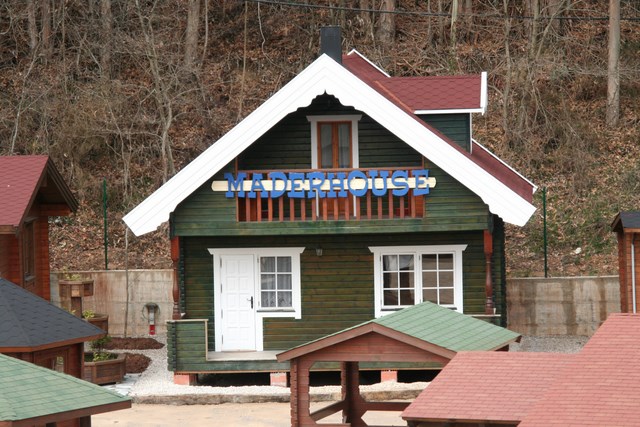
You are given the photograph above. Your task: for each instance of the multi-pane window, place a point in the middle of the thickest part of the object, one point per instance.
(437, 278)
(398, 287)
(276, 280)
(406, 276)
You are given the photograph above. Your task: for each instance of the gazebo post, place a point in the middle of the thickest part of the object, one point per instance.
(300, 393)
(350, 382)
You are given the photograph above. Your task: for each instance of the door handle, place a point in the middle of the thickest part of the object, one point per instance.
(250, 300)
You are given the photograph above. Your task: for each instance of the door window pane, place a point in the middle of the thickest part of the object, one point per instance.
(276, 282)
(344, 145)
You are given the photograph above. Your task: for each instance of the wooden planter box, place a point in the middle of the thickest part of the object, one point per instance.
(101, 321)
(75, 288)
(105, 371)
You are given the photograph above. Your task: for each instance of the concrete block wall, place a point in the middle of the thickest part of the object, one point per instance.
(110, 297)
(561, 305)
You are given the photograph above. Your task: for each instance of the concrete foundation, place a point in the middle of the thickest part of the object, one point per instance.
(561, 305)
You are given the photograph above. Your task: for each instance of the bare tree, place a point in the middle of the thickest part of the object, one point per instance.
(613, 71)
(47, 39)
(33, 27)
(191, 39)
(107, 37)
(386, 23)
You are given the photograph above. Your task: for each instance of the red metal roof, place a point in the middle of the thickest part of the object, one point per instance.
(21, 177)
(600, 386)
(487, 386)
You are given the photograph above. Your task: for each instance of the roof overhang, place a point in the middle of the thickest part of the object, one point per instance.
(325, 75)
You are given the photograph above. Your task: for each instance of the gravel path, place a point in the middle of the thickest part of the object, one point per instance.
(155, 385)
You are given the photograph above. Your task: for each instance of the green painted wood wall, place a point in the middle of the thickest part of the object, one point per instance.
(455, 126)
(337, 288)
(449, 207)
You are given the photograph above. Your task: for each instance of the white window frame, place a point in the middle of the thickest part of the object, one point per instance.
(296, 287)
(417, 252)
(353, 118)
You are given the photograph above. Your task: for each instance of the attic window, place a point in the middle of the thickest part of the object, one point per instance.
(334, 141)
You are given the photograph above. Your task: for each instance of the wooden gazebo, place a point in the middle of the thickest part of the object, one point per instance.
(626, 225)
(424, 334)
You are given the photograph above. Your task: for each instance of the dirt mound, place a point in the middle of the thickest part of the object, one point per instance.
(137, 363)
(133, 344)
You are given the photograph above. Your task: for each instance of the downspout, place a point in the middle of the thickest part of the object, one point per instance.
(633, 272)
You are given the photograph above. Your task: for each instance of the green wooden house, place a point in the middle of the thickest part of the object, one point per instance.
(347, 195)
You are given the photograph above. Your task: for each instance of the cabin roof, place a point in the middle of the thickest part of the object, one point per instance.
(425, 322)
(629, 220)
(506, 193)
(25, 178)
(29, 392)
(30, 323)
(597, 386)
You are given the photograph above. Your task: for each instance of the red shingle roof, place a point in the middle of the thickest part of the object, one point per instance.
(439, 93)
(487, 386)
(420, 93)
(20, 179)
(601, 387)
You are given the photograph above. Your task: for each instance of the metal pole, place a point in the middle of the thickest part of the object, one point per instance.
(104, 214)
(544, 229)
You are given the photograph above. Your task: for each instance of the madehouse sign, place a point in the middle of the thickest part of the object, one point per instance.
(300, 185)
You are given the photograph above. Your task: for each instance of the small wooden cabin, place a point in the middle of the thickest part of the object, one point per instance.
(626, 225)
(31, 191)
(347, 195)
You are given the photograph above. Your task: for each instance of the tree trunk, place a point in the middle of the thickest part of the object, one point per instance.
(191, 42)
(107, 36)
(33, 28)
(386, 23)
(47, 41)
(367, 23)
(613, 71)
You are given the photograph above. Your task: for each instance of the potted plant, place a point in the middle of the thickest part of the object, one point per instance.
(73, 285)
(102, 367)
(97, 319)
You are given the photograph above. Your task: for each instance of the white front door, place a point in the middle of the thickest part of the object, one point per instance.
(238, 301)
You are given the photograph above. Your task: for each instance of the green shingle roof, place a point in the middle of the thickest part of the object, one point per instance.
(432, 324)
(30, 391)
(447, 328)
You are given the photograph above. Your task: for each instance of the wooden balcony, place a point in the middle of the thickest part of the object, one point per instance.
(367, 206)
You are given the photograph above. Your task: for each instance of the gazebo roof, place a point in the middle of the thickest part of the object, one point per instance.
(425, 325)
(30, 323)
(31, 395)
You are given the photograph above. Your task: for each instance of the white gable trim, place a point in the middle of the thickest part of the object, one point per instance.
(325, 75)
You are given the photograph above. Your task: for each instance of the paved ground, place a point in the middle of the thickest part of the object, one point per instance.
(226, 414)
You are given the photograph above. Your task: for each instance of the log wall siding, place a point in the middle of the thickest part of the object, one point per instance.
(337, 288)
(455, 126)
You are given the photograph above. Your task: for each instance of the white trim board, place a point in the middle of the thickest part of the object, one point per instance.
(325, 75)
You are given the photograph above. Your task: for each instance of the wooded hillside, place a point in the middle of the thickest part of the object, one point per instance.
(130, 91)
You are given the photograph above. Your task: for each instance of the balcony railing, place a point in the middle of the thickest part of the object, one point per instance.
(366, 206)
